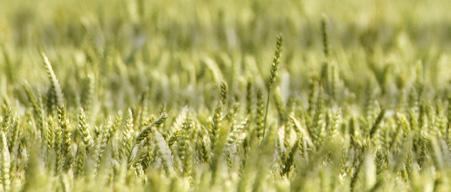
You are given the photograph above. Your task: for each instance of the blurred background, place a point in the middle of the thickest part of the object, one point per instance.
(177, 47)
(215, 24)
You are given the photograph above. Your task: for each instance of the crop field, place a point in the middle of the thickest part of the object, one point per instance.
(215, 95)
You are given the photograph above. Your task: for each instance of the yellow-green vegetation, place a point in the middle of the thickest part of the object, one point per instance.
(237, 95)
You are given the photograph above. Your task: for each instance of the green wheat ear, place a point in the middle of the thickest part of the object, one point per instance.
(5, 163)
(37, 107)
(273, 76)
(145, 132)
(223, 93)
(275, 63)
(184, 149)
(260, 116)
(55, 89)
(84, 130)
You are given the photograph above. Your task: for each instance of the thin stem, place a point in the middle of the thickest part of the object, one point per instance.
(266, 111)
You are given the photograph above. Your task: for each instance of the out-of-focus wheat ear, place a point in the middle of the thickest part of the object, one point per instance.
(175, 136)
(316, 127)
(141, 109)
(216, 124)
(88, 94)
(291, 155)
(260, 114)
(249, 98)
(449, 119)
(80, 160)
(146, 131)
(34, 172)
(7, 116)
(334, 80)
(126, 145)
(118, 120)
(234, 138)
(437, 155)
(84, 130)
(14, 134)
(312, 96)
(395, 139)
(5, 163)
(57, 144)
(280, 106)
(99, 148)
(185, 150)
(49, 134)
(55, 85)
(9, 65)
(223, 93)
(64, 126)
(164, 152)
(37, 108)
(377, 122)
(324, 36)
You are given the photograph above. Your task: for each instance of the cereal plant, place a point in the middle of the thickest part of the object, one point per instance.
(256, 95)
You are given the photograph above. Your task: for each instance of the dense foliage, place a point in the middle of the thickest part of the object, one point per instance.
(195, 95)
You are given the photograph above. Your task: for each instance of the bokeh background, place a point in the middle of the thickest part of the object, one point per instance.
(175, 46)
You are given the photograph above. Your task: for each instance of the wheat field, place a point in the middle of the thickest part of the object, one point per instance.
(237, 95)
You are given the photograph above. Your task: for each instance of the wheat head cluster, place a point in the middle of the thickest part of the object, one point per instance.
(195, 95)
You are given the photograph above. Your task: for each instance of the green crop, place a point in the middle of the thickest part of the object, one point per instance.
(256, 95)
